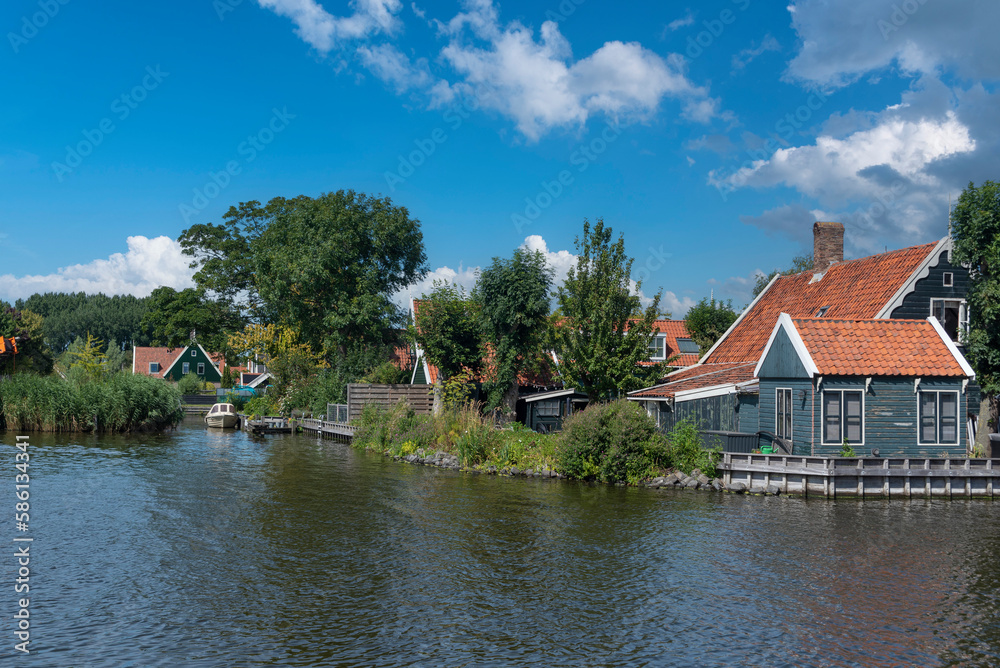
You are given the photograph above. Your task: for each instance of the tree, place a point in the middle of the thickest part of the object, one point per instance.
(173, 315)
(28, 328)
(708, 320)
(514, 299)
(976, 235)
(69, 316)
(447, 329)
(605, 331)
(328, 266)
(800, 263)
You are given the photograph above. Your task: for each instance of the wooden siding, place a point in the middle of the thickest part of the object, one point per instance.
(747, 419)
(802, 418)
(211, 374)
(782, 361)
(418, 397)
(917, 304)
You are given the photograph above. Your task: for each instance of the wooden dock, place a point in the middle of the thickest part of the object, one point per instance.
(325, 429)
(281, 425)
(863, 477)
(268, 424)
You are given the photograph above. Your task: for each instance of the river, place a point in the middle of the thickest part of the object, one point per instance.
(210, 548)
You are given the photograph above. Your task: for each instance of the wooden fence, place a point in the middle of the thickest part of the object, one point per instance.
(419, 397)
(888, 477)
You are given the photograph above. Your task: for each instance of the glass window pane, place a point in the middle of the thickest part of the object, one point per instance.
(852, 416)
(949, 417)
(788, 414)
(831, 417)
(928, 419)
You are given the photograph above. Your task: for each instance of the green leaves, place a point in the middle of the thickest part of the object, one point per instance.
(447, 329)
(604, 333)
(708, 320)
(976, 236)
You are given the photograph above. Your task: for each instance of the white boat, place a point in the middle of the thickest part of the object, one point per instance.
(222, 415)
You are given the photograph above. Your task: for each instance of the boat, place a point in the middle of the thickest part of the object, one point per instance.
(223, 416)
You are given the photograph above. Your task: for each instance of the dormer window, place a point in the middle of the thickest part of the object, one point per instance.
(658, 347)
(687, 346)
(949, 279)
(822, 312)
(154, 367)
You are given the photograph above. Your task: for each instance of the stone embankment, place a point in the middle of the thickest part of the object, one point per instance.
(676, 480)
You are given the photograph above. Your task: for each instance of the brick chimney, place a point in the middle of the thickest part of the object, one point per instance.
(828, 245)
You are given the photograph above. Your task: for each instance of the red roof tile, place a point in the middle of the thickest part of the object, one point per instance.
(142, 356)
(676, 329)
(857, 289)
(877, 348)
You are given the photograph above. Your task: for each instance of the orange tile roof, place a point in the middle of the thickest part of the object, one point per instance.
(676, 329)
(142, 356)
(877, 348)
(857, 289)
(700, 376)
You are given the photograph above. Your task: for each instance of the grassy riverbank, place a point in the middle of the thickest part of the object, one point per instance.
(615, 442)
(119, 403)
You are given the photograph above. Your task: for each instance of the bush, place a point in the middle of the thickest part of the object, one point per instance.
(687, 452)
(611, 443)
(189, 384)
(258, 406)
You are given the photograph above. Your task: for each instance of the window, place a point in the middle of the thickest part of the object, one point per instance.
(548, 408)
(952, 315)
(820, 313)
(201, 369)
(843, 417)
(949, 279)
(687, 346)
(185, 368)
(154, 367)
(938, 418)
(783, 413)
(658, 347)
(194, 353)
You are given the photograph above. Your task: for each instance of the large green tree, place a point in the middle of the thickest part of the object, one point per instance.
(28, 328)
(976, 235)
(447, 329)
(326, 266)
(708, 320)
(69, 316)
(605, 332)
(513, 294)
(173, 315)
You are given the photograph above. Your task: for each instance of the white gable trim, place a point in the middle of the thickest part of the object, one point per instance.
(705, 392)
(738, 320)
(952, 348)
(919, 273)
(785, 322)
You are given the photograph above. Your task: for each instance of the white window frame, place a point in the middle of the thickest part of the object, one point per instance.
(185, 368)
(790, 411)
(843, 420)
(194, 353)
(154, 367)
(938, 417)
(684, 339)
(201, 368)
(963, 315)
(948, 280)
(659, 342)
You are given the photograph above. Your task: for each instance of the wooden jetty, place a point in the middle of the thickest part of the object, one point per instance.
(281, 425)
(268, 424)
(340, 431)
(863, 477)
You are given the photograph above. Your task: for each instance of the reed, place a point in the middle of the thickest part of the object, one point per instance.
(119, 403)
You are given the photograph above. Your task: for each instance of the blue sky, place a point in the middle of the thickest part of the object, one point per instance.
(710, 134)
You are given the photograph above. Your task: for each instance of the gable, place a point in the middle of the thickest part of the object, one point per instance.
(781, 359)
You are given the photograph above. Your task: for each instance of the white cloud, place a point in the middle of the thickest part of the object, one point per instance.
(684, 21)
(746, 56)
(148, 264)
(324, 32)
(535, 81)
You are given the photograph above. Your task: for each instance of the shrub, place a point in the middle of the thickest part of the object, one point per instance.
(612, 442)
(258, 406)
(687, 451)
(189, 384)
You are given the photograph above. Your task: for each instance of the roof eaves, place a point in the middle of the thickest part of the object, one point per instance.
(952, 348)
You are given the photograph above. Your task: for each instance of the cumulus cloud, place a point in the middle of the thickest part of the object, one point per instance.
(533, 80)
(148, 264)
(324, 32)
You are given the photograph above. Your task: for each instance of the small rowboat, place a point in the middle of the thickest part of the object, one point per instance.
(222, 416)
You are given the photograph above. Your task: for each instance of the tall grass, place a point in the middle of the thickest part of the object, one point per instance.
(119, 403)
